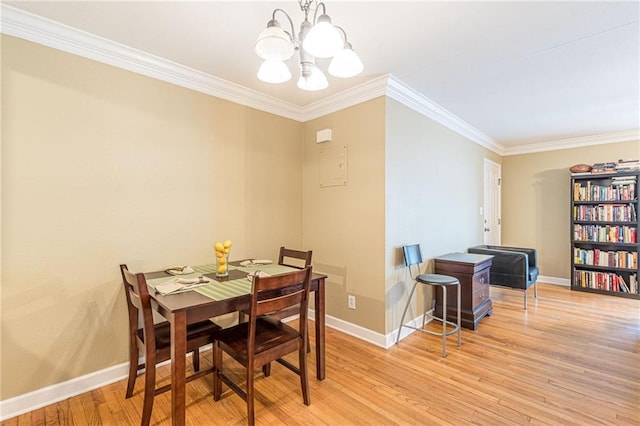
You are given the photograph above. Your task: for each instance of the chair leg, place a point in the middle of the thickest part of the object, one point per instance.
(250, 395)
(304, 378)
(444, 321)
(133, 368)
(217, 369)
(426, 309)
(266, 369)
(459, 315)
(405, 312)
(525, 299)
(195, 357)
(149, 391)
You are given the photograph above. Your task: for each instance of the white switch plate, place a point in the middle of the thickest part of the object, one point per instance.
(351, 299)
(323, 135)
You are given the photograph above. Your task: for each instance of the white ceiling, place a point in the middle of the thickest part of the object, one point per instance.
(521, 73)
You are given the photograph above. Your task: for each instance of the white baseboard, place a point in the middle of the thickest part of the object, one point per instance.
(51, 394)
(378, 339)
(42, 397)
(357, 331)
(553, 280)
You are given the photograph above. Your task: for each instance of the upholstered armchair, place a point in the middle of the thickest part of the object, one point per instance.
(513, 267)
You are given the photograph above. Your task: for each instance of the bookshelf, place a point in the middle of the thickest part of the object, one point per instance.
(604, 230)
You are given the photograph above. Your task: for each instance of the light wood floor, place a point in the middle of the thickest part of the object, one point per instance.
(571, 359)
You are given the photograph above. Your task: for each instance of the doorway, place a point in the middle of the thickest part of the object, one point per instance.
(492, 200)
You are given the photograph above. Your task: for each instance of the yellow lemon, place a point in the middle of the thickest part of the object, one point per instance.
(227, 244)
(226, 251)
(222, 260)
(222, 269)
(219, 247)
(219, 254)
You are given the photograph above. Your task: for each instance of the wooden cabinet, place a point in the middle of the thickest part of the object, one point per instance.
(472, 270)
(604, 230)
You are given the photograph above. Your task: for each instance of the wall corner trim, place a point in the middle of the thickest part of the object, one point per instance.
(407, 96)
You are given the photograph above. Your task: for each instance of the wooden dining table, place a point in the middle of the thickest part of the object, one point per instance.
(225, 295)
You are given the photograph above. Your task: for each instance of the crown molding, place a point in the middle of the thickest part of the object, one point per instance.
(404, 94)
(21, 24)
(605, 138)
(353, 96)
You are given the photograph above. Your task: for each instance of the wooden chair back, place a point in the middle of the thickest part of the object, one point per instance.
(279, 293)
(294, 258)
(139, 305)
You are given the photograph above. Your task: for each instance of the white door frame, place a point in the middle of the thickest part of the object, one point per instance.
(492, 203)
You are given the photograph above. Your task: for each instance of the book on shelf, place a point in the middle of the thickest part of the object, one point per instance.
(620, 188)
(628, 165)
(605, 212)
(607, 167)
(606, 281)
(622, 284)
(622, 259)
(605, 234)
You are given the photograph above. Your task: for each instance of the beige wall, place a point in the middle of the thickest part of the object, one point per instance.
(102, 166)
(434, 194)
(536, 200)
(344, 225)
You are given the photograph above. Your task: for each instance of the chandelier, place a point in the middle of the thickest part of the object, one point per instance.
(317, 39)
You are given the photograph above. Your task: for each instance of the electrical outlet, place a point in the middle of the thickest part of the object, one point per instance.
(351, 299)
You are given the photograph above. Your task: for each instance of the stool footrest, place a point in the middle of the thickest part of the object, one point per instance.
(436, 333)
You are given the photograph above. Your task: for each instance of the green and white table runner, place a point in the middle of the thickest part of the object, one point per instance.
(220, 290)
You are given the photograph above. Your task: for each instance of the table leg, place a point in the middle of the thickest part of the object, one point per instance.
(178, 351)
(320, 332)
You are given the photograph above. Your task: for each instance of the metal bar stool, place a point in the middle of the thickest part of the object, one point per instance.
(413, 257)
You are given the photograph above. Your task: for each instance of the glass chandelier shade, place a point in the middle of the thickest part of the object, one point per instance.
(323, 40)
(346, 63)
(274, 43)
(274, 72)
(317, 39)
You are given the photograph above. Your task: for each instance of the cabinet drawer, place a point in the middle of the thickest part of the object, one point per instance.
(481, 295)
(480, 288)
(480, 280)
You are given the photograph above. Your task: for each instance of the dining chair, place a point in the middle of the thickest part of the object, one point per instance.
(294, 259)
(263, 338)
(154, 341)
(413, 260)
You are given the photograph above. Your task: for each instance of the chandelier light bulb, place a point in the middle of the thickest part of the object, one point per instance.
(346, 63)
(274, 72)
(323, 39)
